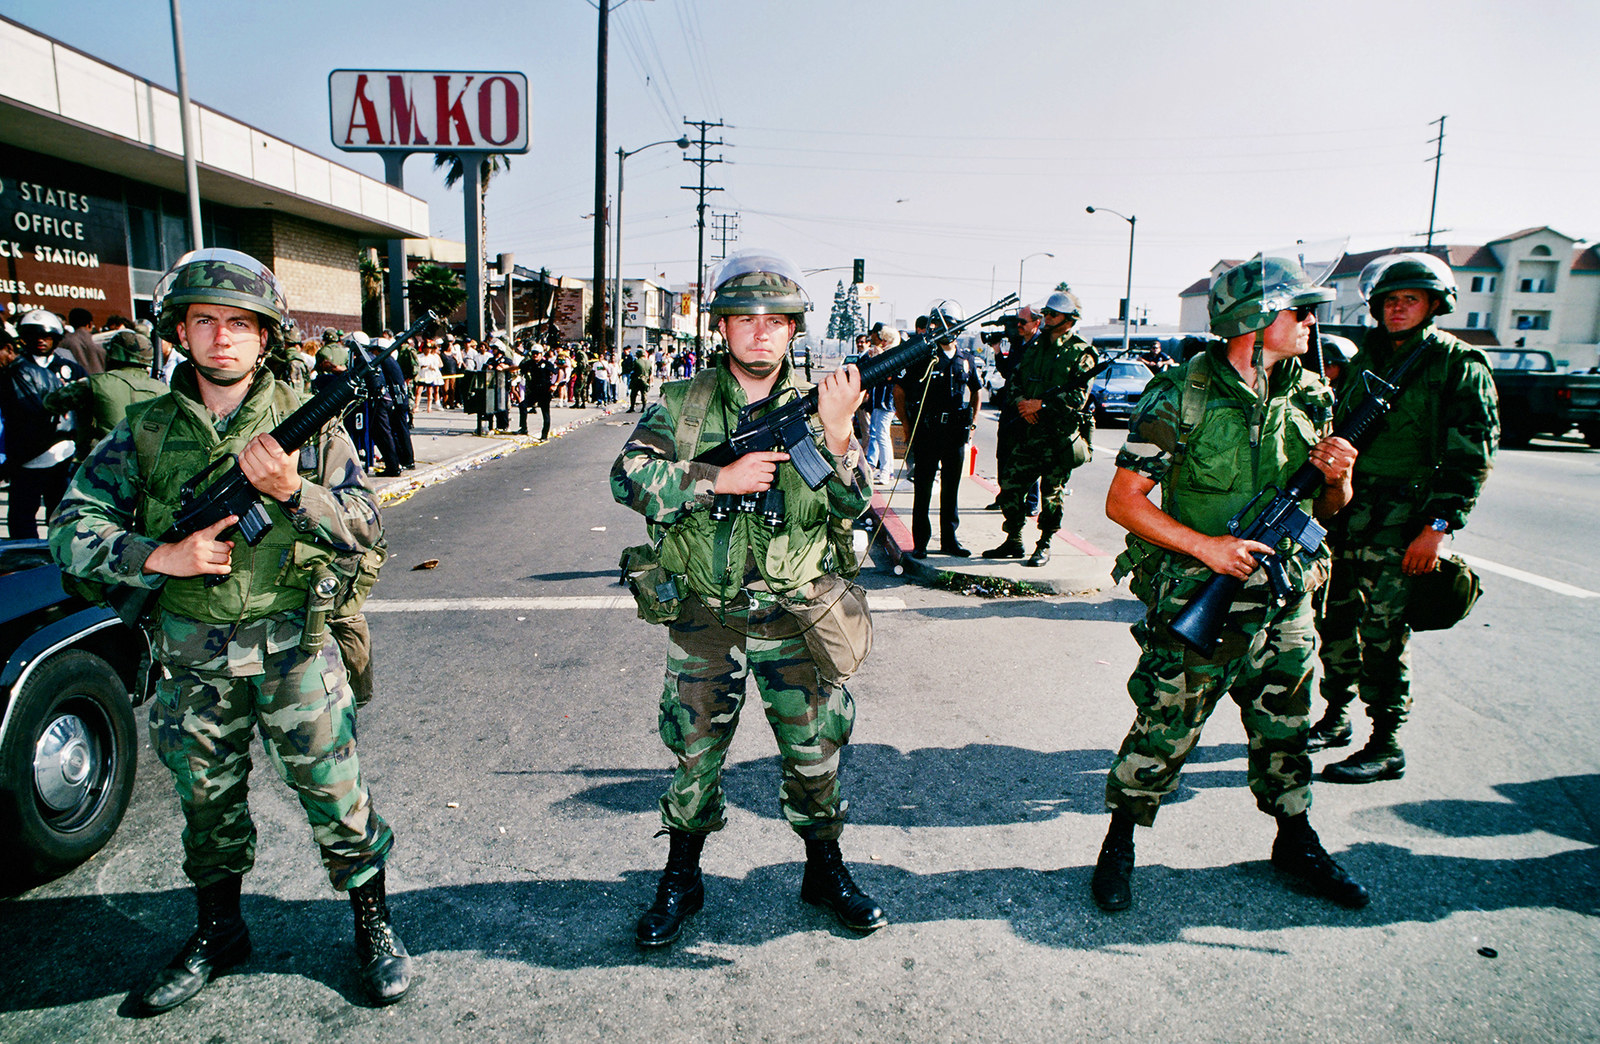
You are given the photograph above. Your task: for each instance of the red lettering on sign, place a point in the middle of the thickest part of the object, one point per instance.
(513, 106)
(369, 115)
(403, 126)
(451, 112)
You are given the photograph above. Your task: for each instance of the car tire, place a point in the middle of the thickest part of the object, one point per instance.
(1591, 434)
(67, 762)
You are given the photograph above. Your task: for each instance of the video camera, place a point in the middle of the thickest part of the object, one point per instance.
(1008, 332)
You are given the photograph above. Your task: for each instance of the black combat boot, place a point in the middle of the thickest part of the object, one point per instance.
(1041, 552)
(827, 882)
(681, 893)
(1331, 730)
(1381, 758)
(385, 965)
(1298, 855)
(1011, 547)
(1114, 869)
(219, 942)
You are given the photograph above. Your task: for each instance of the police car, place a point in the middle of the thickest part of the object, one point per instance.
(68, 743)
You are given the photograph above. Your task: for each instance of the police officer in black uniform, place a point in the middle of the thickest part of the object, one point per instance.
(937, 404)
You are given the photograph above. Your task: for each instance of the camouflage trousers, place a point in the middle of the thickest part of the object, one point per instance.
(201, 722)
(1174, 691)
(1365, 640)
(1030, 460)
(708, 666)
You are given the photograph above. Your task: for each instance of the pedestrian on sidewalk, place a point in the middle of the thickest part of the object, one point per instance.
(1239, 418)
(880, 412)
(745, 543)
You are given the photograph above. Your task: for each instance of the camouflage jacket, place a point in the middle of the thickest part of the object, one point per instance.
(95, 533)
(1055, 371)
(1435, 449)
(675, 495)
(102, 399)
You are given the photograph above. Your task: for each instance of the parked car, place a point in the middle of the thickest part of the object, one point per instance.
(1536, 400)
(68, 746)
(1116, 391)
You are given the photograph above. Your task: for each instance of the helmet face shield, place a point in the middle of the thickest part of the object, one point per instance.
(221, 277)
(39, 320)
(1408, 271)
(753, 282)
(1249, 296)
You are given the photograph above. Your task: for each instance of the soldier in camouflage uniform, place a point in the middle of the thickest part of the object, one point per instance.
(1238, 418)
(102, 399)
(737, 571)
(227, 633)
(1414, 485)
(1048, 390)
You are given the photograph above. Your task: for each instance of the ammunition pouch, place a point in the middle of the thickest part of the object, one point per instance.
(837, 626)
(657, 592)
(355, 649)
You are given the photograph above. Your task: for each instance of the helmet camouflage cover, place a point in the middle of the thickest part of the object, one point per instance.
(221, 277)
(1411, 271)
(128, 348)
(1249, 296)
(756, 283)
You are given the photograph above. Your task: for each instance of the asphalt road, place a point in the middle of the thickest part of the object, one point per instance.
(513, 749)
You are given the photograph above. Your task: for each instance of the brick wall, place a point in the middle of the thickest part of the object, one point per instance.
(317, 264)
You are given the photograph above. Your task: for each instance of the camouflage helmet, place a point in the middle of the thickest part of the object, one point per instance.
(336, 354)
(1410, 271)
(1248, 297)
(220, 277)
(41, 319)
(752, 282)
(127, 348)
(290, 332)
(1063, 302)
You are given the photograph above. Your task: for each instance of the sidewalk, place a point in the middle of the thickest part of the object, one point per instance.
(1076, 566)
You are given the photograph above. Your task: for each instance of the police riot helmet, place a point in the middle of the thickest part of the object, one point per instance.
(757, 282)
(357, 339)
(1063, 302)
(942, 315)
(1408, 271)
(221, 277)
(1336, 350)
(1248, 297)
(41, 320)
(127, 348)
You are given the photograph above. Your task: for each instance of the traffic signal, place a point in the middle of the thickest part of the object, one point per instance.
(861, 270)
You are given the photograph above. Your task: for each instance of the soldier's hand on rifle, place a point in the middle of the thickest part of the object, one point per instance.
(751, 473)
(838, 397)
(1028, 409)
(1334, 457)
(1231, 555)
(269, 469)
(198, 554)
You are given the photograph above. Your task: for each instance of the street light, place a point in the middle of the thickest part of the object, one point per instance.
(616, 295)
(1041, 253)
(1127, 304)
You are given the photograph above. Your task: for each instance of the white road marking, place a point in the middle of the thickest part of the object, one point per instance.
(439, 605)
(1528, 578)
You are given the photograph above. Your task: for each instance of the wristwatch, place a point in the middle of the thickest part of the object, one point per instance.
(1439, 525)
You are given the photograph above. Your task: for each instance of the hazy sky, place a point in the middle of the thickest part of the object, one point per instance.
(943, 140)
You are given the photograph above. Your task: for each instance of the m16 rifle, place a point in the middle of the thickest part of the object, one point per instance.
(788, 427)
(1199, 625)
(210, 497)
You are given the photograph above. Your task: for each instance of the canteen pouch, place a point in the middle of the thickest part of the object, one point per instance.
(1441, 599)
(836, 625)
(657, 593)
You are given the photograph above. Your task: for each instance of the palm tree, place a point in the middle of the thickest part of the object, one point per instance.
(453, 165)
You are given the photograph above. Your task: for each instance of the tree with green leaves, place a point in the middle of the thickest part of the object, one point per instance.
(858, 322)
(436, 288)
(371, 293)
(840, 314)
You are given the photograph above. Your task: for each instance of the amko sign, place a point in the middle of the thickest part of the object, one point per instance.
(415, 111)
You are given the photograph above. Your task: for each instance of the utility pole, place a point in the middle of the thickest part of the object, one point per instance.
(597, 313)
(1438, 158)
(700, 221)
(727, 228)
(191, 177)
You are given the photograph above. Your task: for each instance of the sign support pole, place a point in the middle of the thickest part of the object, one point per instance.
(393, 174)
